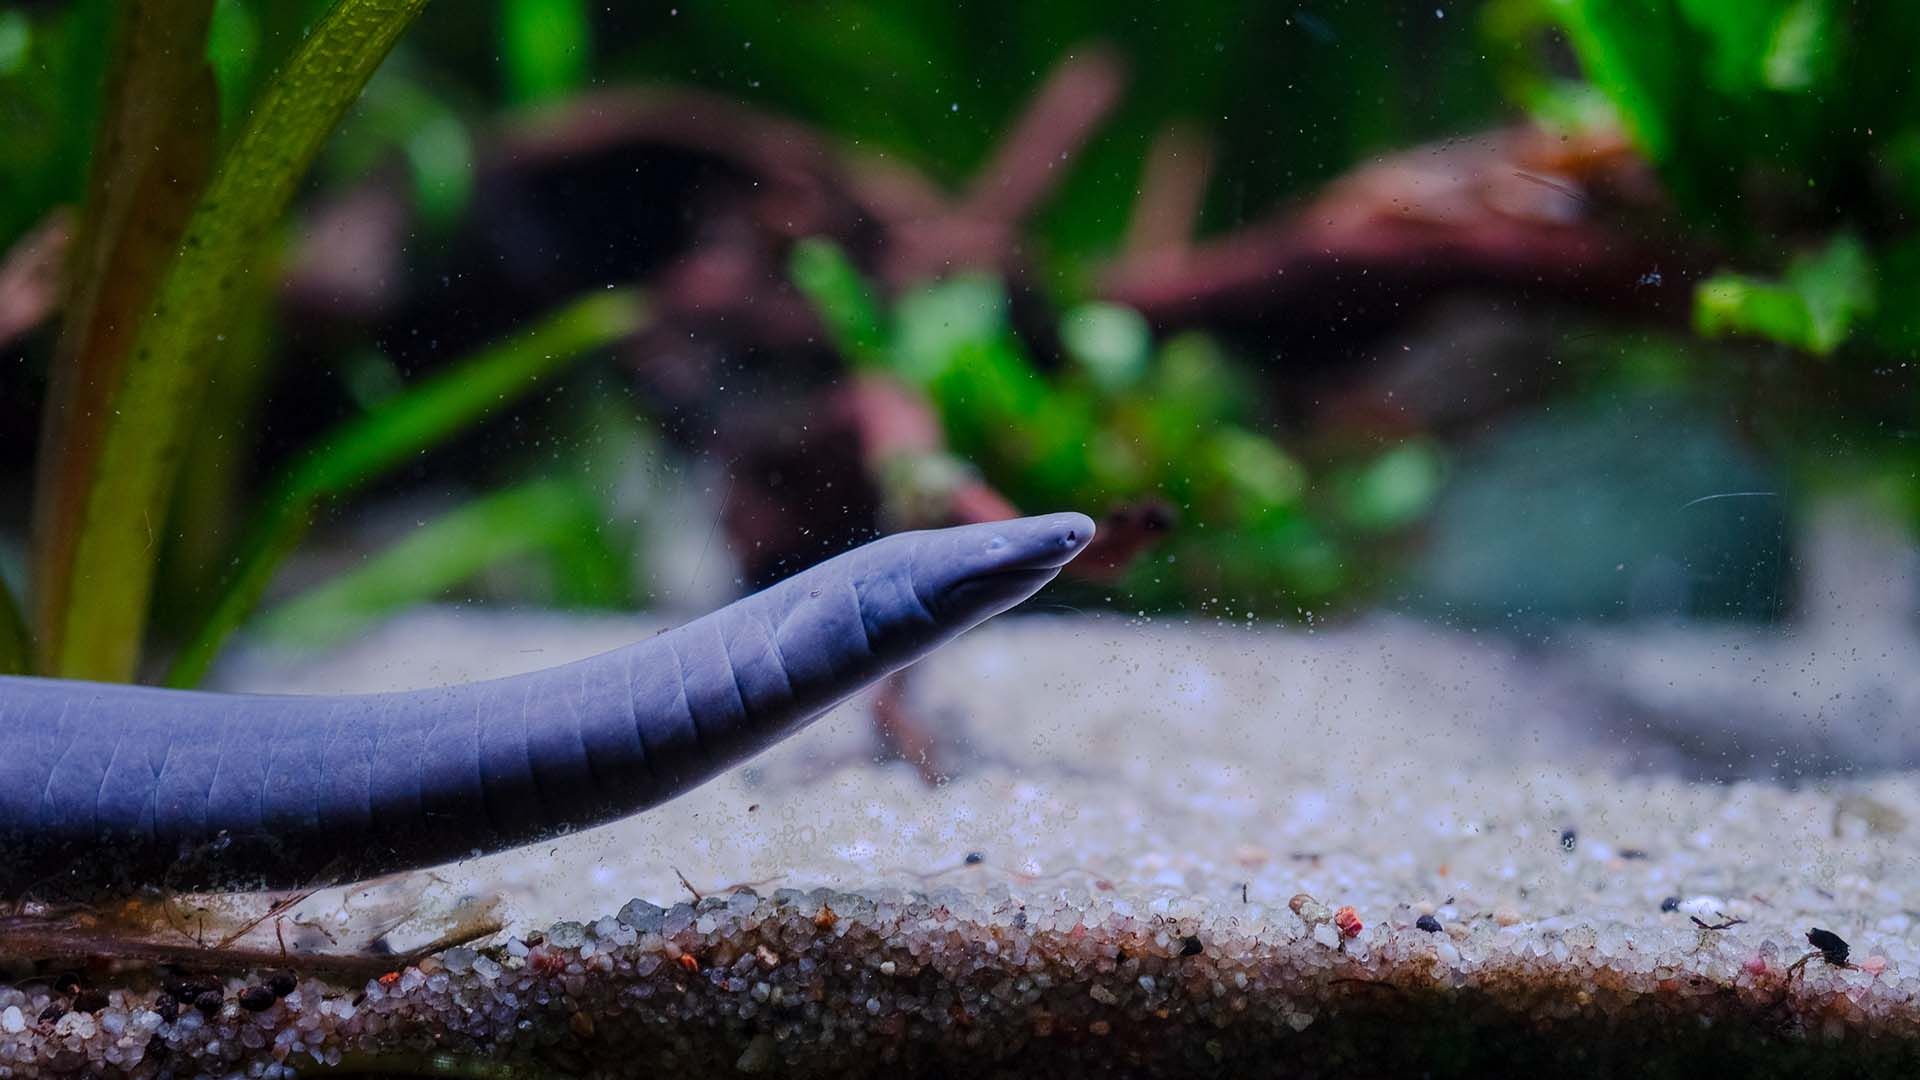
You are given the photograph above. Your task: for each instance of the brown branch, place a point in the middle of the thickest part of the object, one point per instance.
(1511, 207)
(1173, 185)
(1070, 106)
(30, 276)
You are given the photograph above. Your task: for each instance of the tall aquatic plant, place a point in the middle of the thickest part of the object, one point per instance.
(14, 646)
(167, 237)
(372, 446)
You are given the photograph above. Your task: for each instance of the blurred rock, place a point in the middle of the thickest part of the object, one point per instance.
(1635, 508)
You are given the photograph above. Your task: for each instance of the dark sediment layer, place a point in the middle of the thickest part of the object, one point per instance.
(1064, 983)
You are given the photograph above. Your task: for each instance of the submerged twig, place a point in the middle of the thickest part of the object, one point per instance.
(688, 885)
(38, 939)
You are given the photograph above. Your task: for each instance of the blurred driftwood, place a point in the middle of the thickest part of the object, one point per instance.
(699, 199)
(1518, 220)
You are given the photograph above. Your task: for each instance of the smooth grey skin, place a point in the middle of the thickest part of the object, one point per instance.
(107, 788)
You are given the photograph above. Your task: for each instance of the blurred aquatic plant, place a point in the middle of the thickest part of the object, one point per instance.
(402, 112)
(556, 518)
(1734, 99)
(547, 47)
(14, 642)
(1785, 128)
(1125, 419)
(51, 73)
(165, 238)
(391, 434)
(1814, 306)
(1787, 136)
(167, 319)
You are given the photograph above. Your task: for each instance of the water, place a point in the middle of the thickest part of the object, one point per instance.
(1499, 425)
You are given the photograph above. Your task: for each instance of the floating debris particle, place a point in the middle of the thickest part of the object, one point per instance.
(1348, 921)
(1833, 948)
(687, 885)
(1311, 911)
(1568, 838)
(1724, 923)
(1828, 946)
(975, 858)
(1670, 904)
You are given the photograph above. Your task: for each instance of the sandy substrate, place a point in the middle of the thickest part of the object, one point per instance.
(1109, 880)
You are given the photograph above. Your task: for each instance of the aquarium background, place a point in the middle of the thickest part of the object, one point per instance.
(1462, 311)
(1500, 417)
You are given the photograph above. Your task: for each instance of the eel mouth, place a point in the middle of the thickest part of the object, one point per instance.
(1040, 553)
(1029, 578)
(986, 594)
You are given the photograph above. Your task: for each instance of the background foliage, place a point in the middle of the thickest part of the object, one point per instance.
(1784, 135)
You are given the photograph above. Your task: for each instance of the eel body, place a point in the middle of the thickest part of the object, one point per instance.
(109, 788)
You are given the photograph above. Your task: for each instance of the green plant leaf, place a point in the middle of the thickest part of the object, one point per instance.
(1111, 342)
(52, 81)
(16, 41)
(392, 434)
(550, 516)
(1800, 50)
(934, 325)
(547, 46)
(1393, 490)
(208, 512)
(95, 577)
(1629, 50)
(233, 47)
(151, 158)
(400, 113)
(1257, 475)
(841, 297)
(1739, 37)
(15, 649)
(1822, 297)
